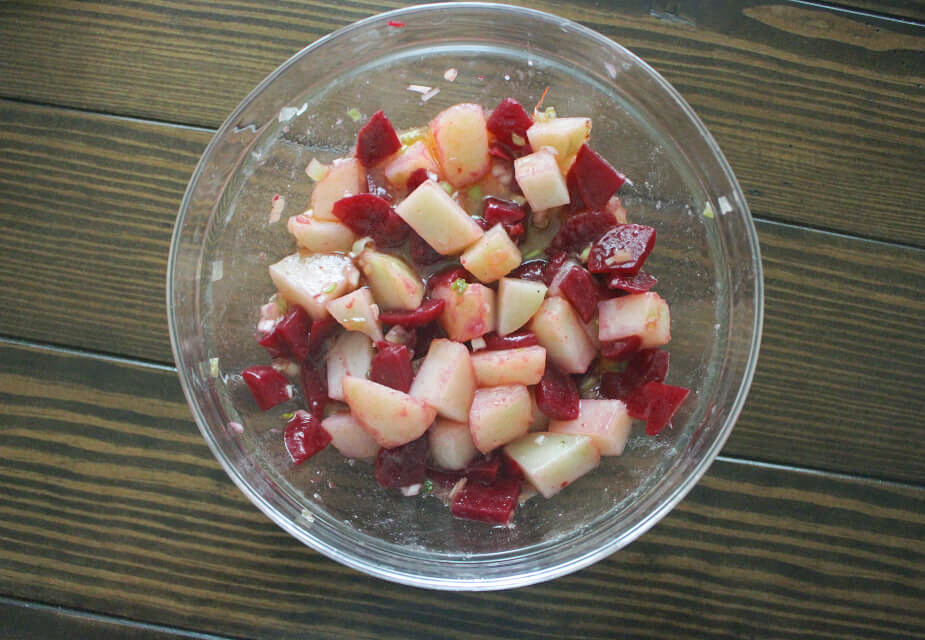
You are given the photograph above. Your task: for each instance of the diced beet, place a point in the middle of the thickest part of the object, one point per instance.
(320, 331)
(417, 177)
(423, 336)
(444, 478)
(516, 340)
(429, 311)
(422, 253)
(314, 385)
(304, 436)
(530, 270)
(446, 277)
(494, 503)
(594, 178)
(268, 386)
(272, 342)
(404, 465)
(637, 283)
(484, 469)
(391, 366)
(293, 330)
(497, 210)
(626, 246)
(377, 140)
(376, 189)
(516, 231)
(575, 203)
(580, 230)
(578, 287)
(648, 365)
(369, 215)
(482, 222)
(656, 403)
(510, 468)
(556, 394)
(620, 349)
(552, 268)
(509, 119)
(500, 151)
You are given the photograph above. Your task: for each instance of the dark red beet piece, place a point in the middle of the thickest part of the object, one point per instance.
(516, 340)
(484, 469)
(594, 178)
(494, 503)
(425, 335)
(552, 268)
(268, 386)
(417, 177)
(271, 342)
(429, 311)
(620, 349)
(314, 385)
(293, 330)
(575, 203)
(580, 230)
(509, 119)
(304, 436)
(445, 479)
(404, 465)
(499, 151)
(321, 330)
(446, 277)
(377, 140)
(497, 210)
(628, 244)
(637, 283)
(656, 403)
(369, 215)
(421, 252)
(557, 395)
(578, 288)
(648, 365)
(391, 366)
(530, 270)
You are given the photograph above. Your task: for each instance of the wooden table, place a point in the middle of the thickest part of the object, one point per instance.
(118, 523)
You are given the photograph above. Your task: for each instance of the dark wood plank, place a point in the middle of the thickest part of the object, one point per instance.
(900, 9)
(820, 112)
(112, 502)
(91, 211)
(28, 621)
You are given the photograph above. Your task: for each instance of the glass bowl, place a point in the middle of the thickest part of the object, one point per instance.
(706, 258)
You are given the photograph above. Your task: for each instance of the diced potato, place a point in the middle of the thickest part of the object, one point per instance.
(320, 236)
(467, 315)
(445, 380)
(541, 181)
(524, 365)
(349, 437)
(350, 355)
(642, 314)
(518, 300)
(401, 166)
(565, 135)
(451, 445)
(357, 311)
(391, 417)
(312, 281)
(560, 330)
(493, 256)
(499, 415)
(461, 138)
(346, 177)
(606, 422)
(552, 461)
(439, 219)
(394, 284)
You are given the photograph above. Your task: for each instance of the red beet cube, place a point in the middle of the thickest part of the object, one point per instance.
(377, 140)
(422, 253)
(417, 177)
(552, 268)
(314, 385)
(484, 469)
(272, 342)
(594, 178)
(494, 503)
(530, 270)
(304, 436)
(516, 340)
(404, 465)
(423, 336)
(575, 203)
(321, 330)
(497, 210)
(644, 366)
(622, 250)
(556, 394)
(499, 150)
(369, 215)
(656, 403)
(429, 311)
(580, 230)
(637, 283)
(293, 330)
(509, 119)
(578, 287)
(445, 479)
(391, 366)
(620, 349)
(268, 386)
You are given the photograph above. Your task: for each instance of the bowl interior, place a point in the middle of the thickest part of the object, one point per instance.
(706, 261)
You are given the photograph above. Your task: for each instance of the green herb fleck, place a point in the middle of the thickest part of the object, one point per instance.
(585, 254)
(459, 285)
(428, 486)
(550, 112)
(533, 254)
(587, 384)
(330, 288)
(354, 114)
(288, 416)
(411, 136)
(447, 186)
(474, 193)
(708, 211)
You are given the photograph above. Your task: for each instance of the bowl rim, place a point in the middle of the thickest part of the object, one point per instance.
(523, 578)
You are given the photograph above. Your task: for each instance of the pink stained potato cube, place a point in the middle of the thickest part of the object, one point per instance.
(509, 366)
(499, 415)
(351, 354)
(314, 280)
(320, 236)
(561, 332)
(349, 437)
(357, 311)
(445, 380)
(606, 422)
(438, 219)
(346, 177)
(415, 157)
(492, 256)
(451, 445)
(539, 178)
(391, 417)
(468, 314)
(645, 315)
(461, 137)
(552, 461)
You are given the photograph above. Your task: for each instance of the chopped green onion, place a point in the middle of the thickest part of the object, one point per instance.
(518, 140)
(428, 486)
(447, 186)
(551, 112)
(280, 302)
(585, 254)
(411, 136)
(708, 211)
(354, 114)
(533, 254)
(459, 285)
(330, 288)
(316, 170)
(288, 416)
(475, 192)
(213, 367)
(587, 384)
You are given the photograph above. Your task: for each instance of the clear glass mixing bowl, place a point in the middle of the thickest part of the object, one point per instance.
(706, 259)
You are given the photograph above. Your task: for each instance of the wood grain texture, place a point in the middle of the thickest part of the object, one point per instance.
(820, 112)
(900, 9)
(112, 502)
(840, 312)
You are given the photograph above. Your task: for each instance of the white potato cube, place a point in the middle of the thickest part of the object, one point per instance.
(320, 236)
(606, 422)
(451, 445)
(541, 181)
(394, 284)
(559, 329)
(312, 281)
(642, 314)
(350, 355)
(565, 135)
(391, 417)
(461, 138)
(402, 165)
(349, 437)
(493, 256)
(445, 380)
(357, 311)
(499, 415)
(346, 177)
(552, 461)
(518, 300)
(467, 315)
(524, 365)
(439, 219)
